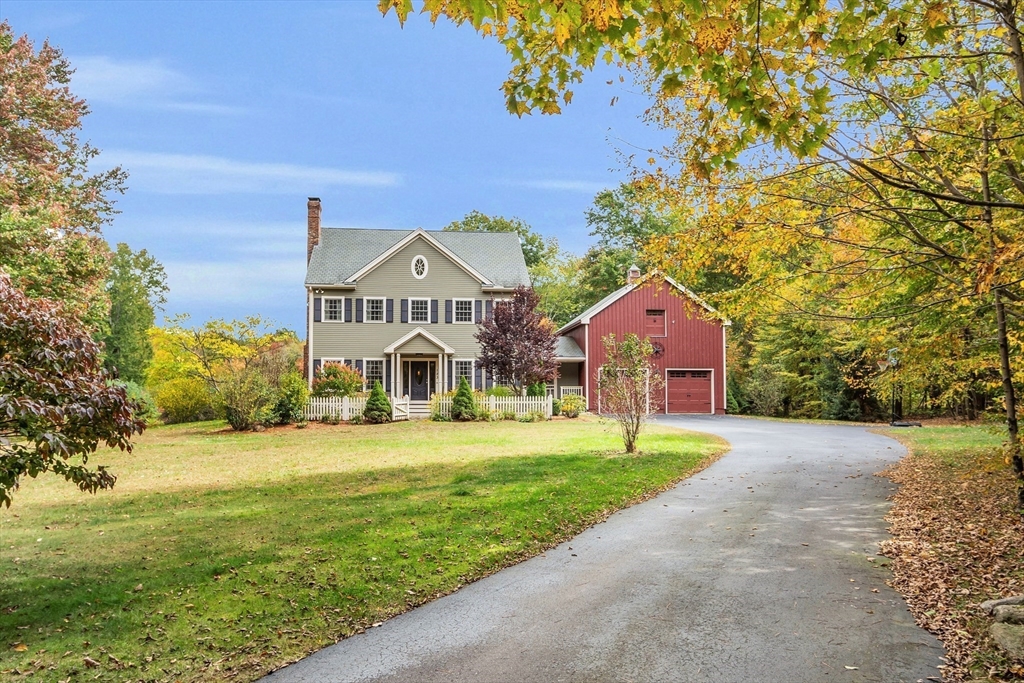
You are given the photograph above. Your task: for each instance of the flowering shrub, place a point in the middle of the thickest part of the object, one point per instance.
(335, 379)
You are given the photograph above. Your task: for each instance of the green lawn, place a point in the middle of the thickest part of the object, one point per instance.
(953, 443)
(223, 556)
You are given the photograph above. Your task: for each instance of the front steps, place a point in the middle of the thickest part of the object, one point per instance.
(419, 410)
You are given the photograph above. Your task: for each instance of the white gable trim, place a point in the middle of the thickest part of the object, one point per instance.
(612, 299)
(418, 332)
(419, 232)
(629, 288)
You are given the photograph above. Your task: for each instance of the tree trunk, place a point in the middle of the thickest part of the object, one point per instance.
(1009, 396)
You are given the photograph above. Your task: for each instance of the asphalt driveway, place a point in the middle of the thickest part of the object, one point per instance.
(758, 569)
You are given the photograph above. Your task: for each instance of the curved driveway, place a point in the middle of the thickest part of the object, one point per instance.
(755, 569)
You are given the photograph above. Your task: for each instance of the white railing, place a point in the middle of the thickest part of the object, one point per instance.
(496, 405)
(344, 408)
(570, 391)
(399, 409)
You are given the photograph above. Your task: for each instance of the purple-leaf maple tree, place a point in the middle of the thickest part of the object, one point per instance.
(57, 402)
(518, 342)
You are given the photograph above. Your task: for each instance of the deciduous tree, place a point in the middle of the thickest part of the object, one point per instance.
(57, 403)
(136, 287)
(517, 343)
(536, 248)
(52, 201)
(629, 385)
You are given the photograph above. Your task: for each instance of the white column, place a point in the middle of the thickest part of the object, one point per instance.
(401, 389)
(309, 337)
(439, 380)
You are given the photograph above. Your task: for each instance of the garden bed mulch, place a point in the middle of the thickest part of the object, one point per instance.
(958, 541)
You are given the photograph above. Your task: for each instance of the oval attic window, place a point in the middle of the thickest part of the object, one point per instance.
(419, 267)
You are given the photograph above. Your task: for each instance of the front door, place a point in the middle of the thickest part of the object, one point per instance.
(419, 380)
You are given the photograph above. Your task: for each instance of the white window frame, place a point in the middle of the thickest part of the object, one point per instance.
(472, 312)
(472, 372)
(323, 309)
(383, 370)
(419, 322)
(426, 266)
(325, 361)
(383, 309)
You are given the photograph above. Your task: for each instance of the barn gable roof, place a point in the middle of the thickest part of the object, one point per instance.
(584, 317)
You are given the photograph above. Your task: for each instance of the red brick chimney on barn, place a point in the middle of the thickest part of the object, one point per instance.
(312, 225)
(633, 275)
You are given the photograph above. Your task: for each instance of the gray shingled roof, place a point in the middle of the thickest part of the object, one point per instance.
(342, 252)
(567, 348)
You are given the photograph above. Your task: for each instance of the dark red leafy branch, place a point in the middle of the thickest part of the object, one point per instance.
(517, 342)
(57, 403)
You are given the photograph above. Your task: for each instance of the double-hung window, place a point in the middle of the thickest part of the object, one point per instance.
(374, 310)
(419, 310)
(334, 309)
(464, 368)
(463, 310)
(373, 371)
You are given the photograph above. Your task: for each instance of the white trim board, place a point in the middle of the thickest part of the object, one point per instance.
(419, 331)
(618, 294)
(405, 241)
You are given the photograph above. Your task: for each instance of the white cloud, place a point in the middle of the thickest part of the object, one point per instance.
(564, 185)
(251, 285)
(139, 84)
(202, 174)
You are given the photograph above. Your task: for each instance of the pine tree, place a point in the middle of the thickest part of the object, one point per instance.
(463, 406)
(378, 407)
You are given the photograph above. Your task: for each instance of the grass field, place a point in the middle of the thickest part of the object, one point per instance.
(221, 556)
(957, 541)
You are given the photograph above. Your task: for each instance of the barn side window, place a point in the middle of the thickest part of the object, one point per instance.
(655, 325)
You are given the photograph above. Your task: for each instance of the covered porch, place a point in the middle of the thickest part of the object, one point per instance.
(422, 366)
(572, 375)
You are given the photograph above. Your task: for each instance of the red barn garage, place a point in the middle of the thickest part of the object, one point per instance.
(687, 334)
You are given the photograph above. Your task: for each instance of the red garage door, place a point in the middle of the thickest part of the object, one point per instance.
(689, 391)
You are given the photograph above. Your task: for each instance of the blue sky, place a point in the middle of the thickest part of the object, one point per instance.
(228, 115)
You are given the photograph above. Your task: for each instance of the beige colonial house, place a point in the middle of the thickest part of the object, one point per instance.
(402, 306)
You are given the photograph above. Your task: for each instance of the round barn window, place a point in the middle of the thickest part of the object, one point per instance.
(419, 267)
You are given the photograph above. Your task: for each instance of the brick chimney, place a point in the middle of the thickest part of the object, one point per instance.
(633, 275)
(312, 225)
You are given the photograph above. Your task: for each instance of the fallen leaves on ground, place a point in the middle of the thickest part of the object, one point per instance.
(957, 542)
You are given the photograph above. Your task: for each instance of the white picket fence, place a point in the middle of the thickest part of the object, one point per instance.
(320, 407)
(520, 405)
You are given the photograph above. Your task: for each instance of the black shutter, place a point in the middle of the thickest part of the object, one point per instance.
(359, 366)
(316, 366)
(433, 311)
(489, 309)
(359, 310)
(348, 310)
(390, 311)
(316, 309)
(387, 372)
(490, 381)
(451, 379)
(478, 383)
(448, 311)
(479, 311)
(405, 310)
